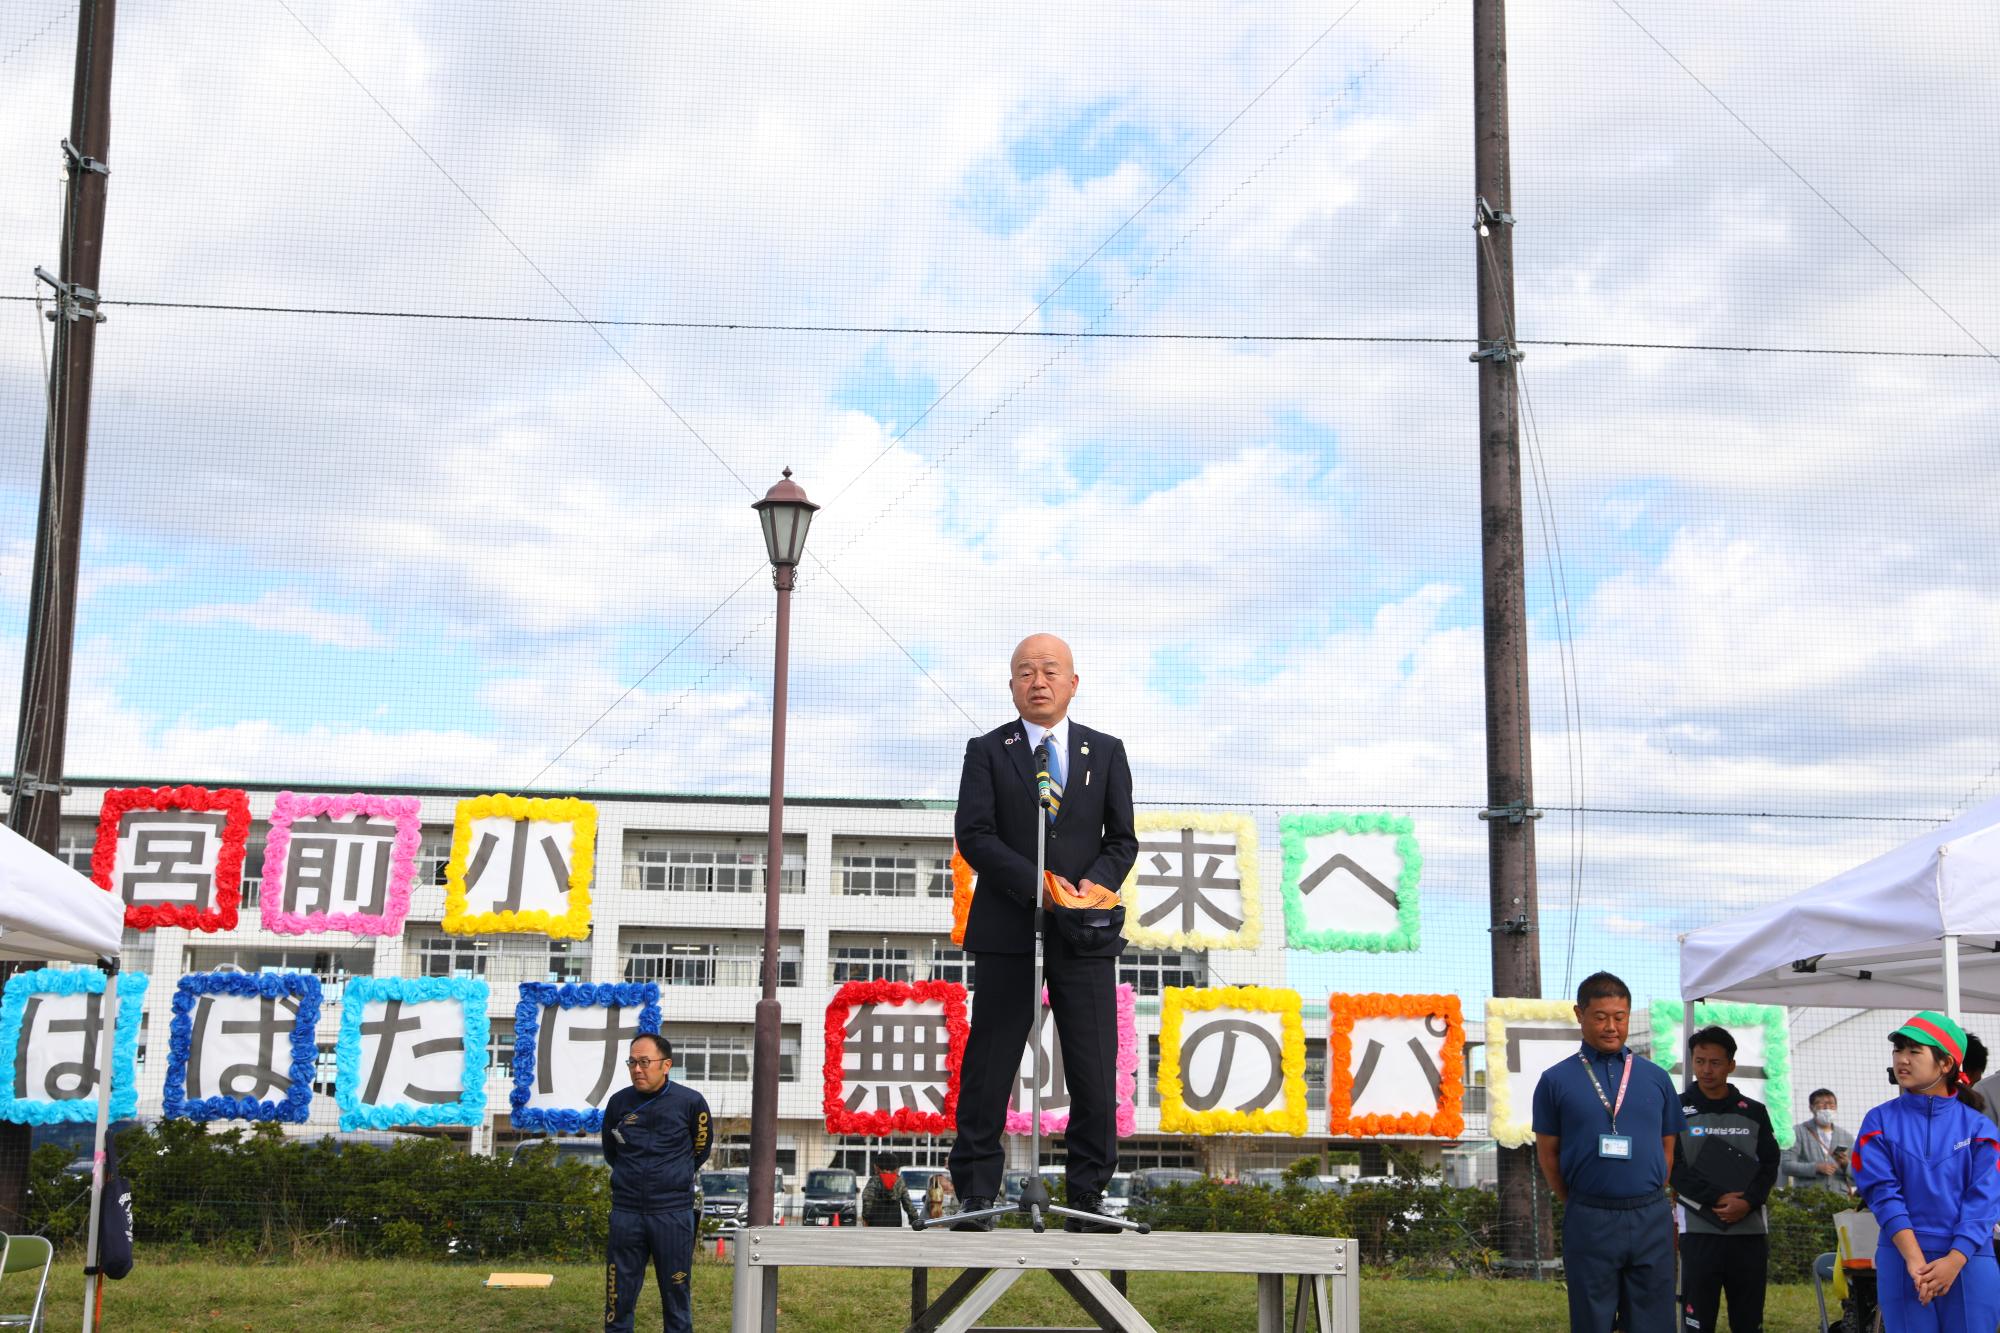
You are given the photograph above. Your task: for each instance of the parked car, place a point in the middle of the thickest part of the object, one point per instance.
(1117, 1194)
(590, 1152)
(918, 1178)
(1147, 1184)
(725, 1195)
(832, 1196)
(1263, 1177)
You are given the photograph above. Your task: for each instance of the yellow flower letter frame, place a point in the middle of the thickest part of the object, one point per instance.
(521, 865)
(1232, 1061)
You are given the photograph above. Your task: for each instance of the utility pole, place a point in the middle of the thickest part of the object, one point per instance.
(35, 810)
(1510, 794)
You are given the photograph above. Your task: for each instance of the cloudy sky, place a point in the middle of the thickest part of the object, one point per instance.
(342, 549)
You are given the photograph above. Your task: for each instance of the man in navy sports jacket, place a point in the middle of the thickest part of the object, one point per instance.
(1091, 847)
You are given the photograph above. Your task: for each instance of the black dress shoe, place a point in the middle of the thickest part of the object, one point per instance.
(973, 1203)
(1092, 1204)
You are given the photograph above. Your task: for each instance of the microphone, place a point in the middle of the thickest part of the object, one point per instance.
(1044, 784)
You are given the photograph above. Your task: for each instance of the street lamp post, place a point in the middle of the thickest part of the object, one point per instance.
(786, 514)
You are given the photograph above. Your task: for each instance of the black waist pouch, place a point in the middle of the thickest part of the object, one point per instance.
(1090, 932)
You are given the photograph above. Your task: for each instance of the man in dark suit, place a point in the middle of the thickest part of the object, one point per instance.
(1090, 850)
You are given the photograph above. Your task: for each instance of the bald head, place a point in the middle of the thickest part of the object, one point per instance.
(1043, 679)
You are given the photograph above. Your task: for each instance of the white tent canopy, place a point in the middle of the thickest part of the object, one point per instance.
(47, 910)
(1914, 927)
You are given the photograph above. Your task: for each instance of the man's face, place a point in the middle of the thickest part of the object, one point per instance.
(1825, 1104)
(1604, 1021)
(648, 1070)
(1712, 1068)
(1043, 679)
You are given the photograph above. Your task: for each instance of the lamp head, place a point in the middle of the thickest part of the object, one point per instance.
(786, 515)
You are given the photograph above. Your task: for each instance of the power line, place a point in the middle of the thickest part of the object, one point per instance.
(1832, 207)
(40, 33)
(951, 331)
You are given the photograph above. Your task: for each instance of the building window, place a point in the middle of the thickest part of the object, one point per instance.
(500, 1045)
(1152, 1076)
(871, 962)
(432, 857)
(569, 960)
(652, 868)
(451, 956)
(252, 882)
(1140, 1154)
(323, 1071)
(1315, 1071)
(716, 963)
(76, 845)
(727, 1056)
(331, 966)
(1152, 973)
(901, 872)
(950, 964)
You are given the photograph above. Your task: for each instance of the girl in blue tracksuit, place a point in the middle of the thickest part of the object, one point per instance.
(1928, 1167)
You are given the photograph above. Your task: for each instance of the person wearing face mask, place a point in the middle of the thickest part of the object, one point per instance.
(886, 1200)
(1928, 1166)
(1818, 1159)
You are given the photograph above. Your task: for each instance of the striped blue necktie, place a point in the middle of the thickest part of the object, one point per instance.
(1055, 774)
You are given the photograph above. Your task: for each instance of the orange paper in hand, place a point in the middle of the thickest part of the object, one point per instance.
(1087, 896)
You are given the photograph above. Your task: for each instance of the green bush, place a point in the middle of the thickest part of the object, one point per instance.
(1409, 1225)
(257, 1194)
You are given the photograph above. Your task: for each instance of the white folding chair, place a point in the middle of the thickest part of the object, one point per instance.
(24, 1254)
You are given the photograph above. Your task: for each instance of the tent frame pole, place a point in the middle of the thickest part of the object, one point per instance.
(1951, 1004)
(93, 1283)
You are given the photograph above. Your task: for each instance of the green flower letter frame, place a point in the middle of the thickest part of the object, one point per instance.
(1331, 858)
(1775, 1059)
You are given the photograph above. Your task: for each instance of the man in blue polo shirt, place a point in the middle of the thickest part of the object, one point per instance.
(1605, 1125)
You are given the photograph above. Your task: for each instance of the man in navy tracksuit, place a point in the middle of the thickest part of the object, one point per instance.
(656, 1136)
(1605, 1124)
(1724, 1170)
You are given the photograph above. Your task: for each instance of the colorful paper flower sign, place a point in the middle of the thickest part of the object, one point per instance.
(1763, 1052)
(521, 864)
(1395, 1065)
(570, 1045)
(412, 1051)
(173, 854)
(242, 1046)
(1350, 882)
(1523, 1038)
(1232, 1061)
(1194, 885)
(339, 863)
(963, 883)
(1055, 1084)
(893, 1052)
(51, 1046)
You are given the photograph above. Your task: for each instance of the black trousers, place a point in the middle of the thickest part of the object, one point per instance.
(662, 1241)
(1713, 1267)
(1083, 1002)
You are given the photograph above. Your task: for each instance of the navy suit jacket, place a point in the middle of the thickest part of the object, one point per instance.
(1093, 836)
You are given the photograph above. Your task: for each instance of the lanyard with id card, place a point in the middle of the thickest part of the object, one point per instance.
(1613, 1146)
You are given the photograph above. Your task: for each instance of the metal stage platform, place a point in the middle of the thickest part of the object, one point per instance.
(1326, 1272)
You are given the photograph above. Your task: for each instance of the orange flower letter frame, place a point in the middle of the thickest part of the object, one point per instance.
(1395, 1066)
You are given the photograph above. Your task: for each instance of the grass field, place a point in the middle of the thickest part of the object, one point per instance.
(310, 1298)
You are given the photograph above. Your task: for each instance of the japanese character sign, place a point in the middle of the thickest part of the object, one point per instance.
(1763, 1051)
(1043, 1041)
(1395, 1065)
(1232, 1061)
(1194, 885)
(173, 854)
(412, 1051)
(570, 1045)
(1524, 1038)
(1350, 881)
(52, 1055)
(340, 863)
(893, 1051)
(521, 864)
(242, 1046)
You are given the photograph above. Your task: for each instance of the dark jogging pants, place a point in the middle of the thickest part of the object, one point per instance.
(1714, 1267)
(666, 1242)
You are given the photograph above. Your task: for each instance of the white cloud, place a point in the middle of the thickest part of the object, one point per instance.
(288, 611)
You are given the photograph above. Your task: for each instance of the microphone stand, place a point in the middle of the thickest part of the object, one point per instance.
(1035, 1201)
